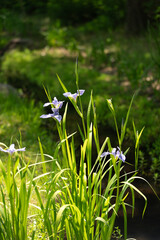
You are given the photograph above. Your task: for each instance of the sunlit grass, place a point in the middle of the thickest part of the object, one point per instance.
(20, 120)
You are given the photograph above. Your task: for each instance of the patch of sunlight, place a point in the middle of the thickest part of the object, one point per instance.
(104, 77)
(147, 55)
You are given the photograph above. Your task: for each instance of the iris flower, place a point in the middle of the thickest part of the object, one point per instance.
(116, 152)
(57, 104)
(54, 115)
(74, 95)
(55, 111)
(12, 149)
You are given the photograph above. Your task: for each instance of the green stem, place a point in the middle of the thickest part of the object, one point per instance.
(13, 197)
(119, 141)
(62, 137)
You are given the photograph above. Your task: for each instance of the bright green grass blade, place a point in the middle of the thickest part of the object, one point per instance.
(68, 152)
(123, 129)
(64, 118)
(16, 166)
(47, 94)
(89, 113)
(73, 156)
(125, 219)
(110, 105)
(133, 201)
(63, 208)
(81, 133)
(89, 149)
(140, 193)
(95, 126)
(68, 230)
(101, 220)
(98, 157)
(76, 73)
(42, 157)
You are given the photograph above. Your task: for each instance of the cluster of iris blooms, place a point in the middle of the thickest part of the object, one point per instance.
(56, 106)
(116, 152)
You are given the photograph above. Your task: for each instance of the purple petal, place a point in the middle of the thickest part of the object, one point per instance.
(3, 150)
(11, 151)
(80, 92)
(12, 147)
(21, 149)
(74, 96)
(104, 154)
(47, 104)
(60, 104)
(67, 94)
(122, 157)
(55, 101)
(117, 153)
(47, 115)
(55, 111)
(58, 117)
(114, 152)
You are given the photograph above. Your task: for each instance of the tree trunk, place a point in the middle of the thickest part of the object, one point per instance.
(135, 17)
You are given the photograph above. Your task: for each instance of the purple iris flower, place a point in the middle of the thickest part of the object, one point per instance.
(117, 153)
(55, 111)
(74, 95)
(57, 104)
(12, 149)
(54, 115)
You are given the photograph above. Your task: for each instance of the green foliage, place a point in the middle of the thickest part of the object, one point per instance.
(17, 196)
(117, 234)
(73, 12)
(20, 117)
(134, 63)
(15, 199)
(29, 71)
(17, 25)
